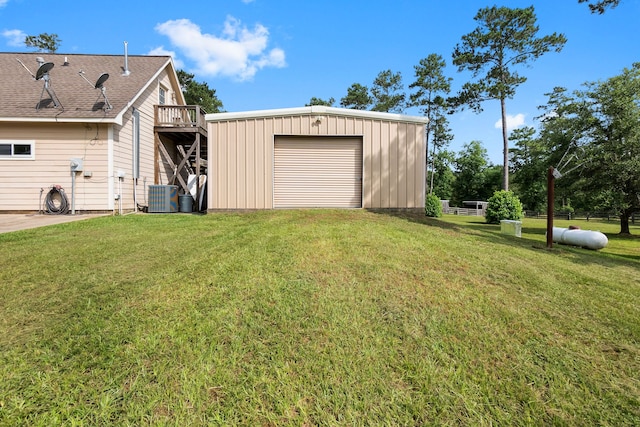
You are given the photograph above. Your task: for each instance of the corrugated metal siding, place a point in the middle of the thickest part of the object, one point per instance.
(240, 165)
(241, 158)
(317, 172)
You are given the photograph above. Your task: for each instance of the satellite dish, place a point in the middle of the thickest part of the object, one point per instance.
(43, 74)
(44, 70)
(103, 78)
(99, 85)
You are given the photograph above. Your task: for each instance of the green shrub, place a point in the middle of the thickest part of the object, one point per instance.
(432, 206)
(503, 205)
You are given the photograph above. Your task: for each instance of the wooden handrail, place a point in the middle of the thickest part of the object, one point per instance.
(179, 116)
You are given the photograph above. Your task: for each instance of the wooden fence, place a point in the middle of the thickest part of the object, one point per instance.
(609, 216)
(465, 211)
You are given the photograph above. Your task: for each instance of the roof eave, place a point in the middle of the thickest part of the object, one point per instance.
(60, 120)
(315, 109)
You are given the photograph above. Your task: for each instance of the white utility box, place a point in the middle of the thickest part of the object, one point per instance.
(511, 227)
(76, 164)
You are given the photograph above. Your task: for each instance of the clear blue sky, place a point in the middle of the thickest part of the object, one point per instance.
(266, 54)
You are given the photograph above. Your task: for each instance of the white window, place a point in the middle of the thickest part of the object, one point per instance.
(162, 95)
(17, 149)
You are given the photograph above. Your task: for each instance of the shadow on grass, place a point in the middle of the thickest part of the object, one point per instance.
(475, 224)
(419, 218)
(492, 232)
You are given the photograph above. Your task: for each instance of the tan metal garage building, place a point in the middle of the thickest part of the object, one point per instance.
(315, 157)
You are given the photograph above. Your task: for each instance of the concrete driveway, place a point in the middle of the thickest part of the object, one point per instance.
(15, 222)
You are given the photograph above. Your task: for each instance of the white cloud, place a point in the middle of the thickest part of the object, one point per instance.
(247, 1)
(3, 3)
(161, 51)
(14, 37)
(238, 52)
(512, 122)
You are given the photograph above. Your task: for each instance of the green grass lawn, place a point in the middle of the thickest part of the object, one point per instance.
(316, 317)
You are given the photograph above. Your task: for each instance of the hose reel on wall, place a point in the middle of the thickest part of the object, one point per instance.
(56, 201)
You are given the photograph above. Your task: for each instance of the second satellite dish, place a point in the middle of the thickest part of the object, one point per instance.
(103, 78)
(100, 85)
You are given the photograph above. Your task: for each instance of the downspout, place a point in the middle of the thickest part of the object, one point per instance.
(120, 195)
(135, 154)
(110, 169)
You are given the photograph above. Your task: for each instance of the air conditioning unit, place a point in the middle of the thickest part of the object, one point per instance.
(163, 198)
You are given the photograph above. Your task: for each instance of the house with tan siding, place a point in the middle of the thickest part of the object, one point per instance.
(315, 157)
(89, 124)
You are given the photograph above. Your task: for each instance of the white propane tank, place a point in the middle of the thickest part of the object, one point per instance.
(577, 237)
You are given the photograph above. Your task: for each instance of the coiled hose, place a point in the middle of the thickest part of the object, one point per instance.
(56, 202)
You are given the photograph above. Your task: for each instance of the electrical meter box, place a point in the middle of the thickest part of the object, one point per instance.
(76, 164)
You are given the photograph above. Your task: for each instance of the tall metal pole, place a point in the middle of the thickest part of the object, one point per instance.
(550, 197)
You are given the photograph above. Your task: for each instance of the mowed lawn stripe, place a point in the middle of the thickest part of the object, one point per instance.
(315, 317)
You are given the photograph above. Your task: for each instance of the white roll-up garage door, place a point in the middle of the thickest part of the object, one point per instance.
(317, 172)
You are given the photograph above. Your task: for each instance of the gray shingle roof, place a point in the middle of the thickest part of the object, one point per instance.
(20, 93)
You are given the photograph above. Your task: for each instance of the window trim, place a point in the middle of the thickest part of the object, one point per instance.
(13, 156)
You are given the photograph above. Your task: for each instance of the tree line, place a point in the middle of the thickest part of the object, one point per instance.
(592, 134)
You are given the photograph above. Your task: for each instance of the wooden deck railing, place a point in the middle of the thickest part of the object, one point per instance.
(180, 116)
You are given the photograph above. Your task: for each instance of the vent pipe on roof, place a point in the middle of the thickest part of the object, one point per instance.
(126, 71)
